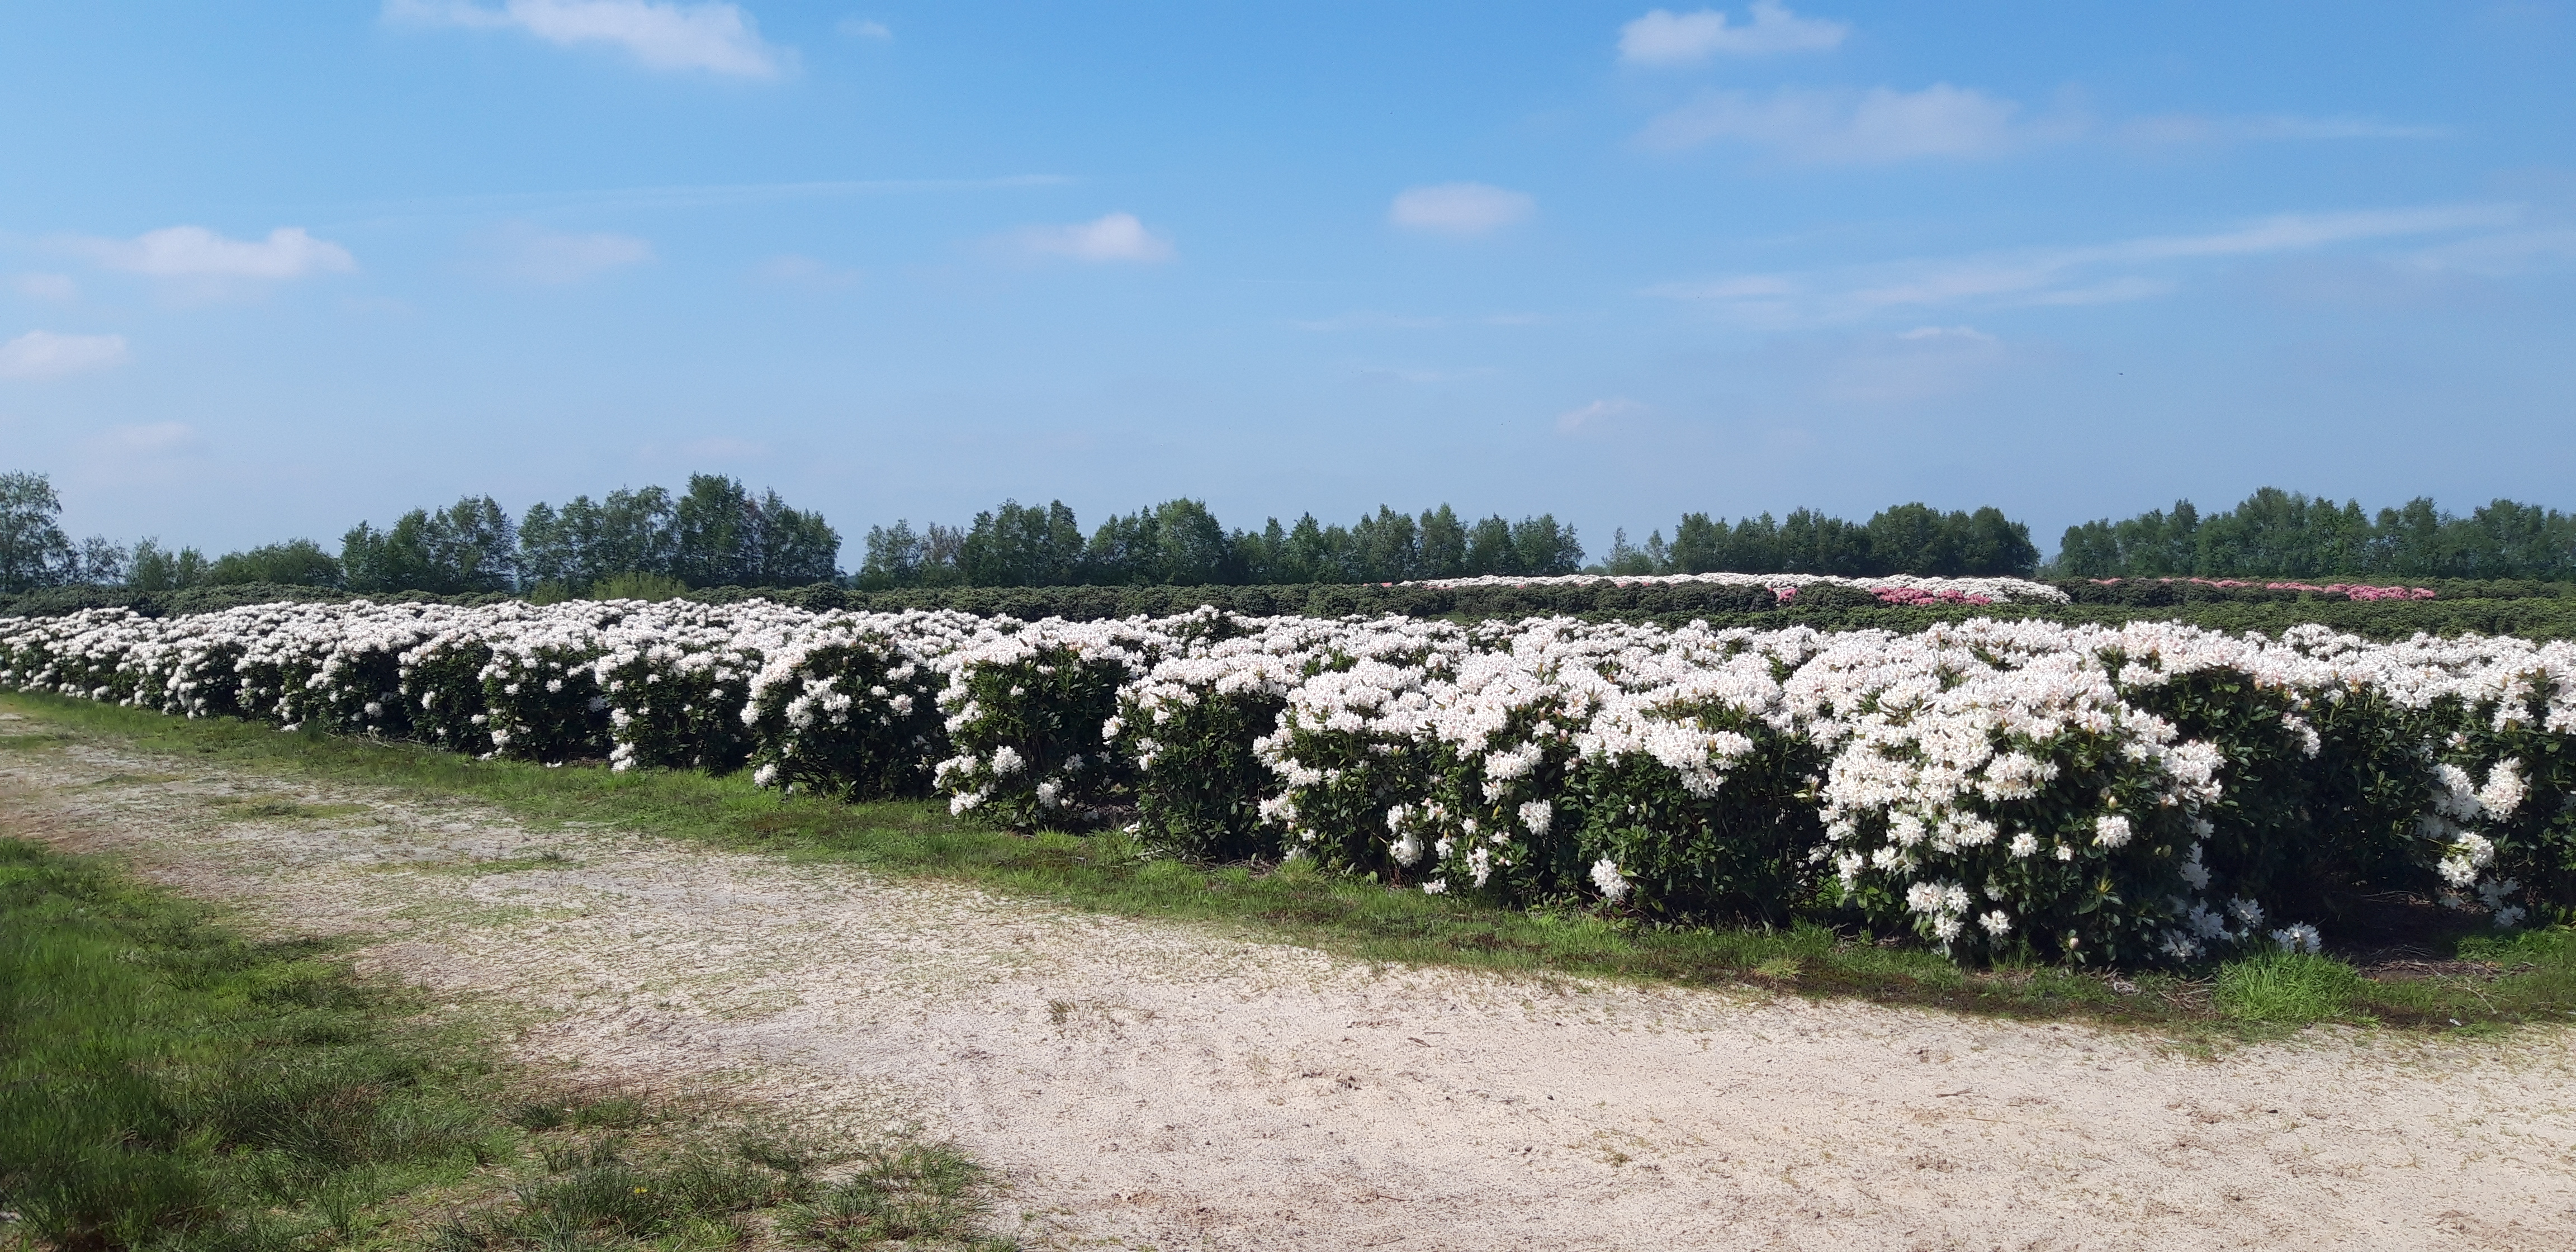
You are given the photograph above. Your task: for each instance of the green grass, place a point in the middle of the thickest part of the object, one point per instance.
(2535, 981)
(166, 1083)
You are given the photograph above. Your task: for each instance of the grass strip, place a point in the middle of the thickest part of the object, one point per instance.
(2485, 982)
(167, 1083)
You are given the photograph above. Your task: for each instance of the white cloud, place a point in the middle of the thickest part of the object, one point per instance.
(2501, 255)
(2189, 128)
(862, 28)
(1594, 414)
(1114, 237)
(1459, 208)
(153, 439)
(1938, 334)
(2057, 276)
(1912, 366)
(48, 286)
(1851, 127)
(196, 252)
(532, 254)
(44, 354)
(1663, 37)
(715, 37)
(796, 270)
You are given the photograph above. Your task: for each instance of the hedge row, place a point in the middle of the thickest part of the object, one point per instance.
(2134, 795)
(2539, 611)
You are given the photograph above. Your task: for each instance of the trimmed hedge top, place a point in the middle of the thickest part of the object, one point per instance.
(2534, 610)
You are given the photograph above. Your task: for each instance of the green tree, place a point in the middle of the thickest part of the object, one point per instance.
(34, 552)
(1023, 546)
(1389, 546)
(155, 568)
(1191, 549)
(1443, 544)
(296, 562)
(469, 546)
(1489, 548)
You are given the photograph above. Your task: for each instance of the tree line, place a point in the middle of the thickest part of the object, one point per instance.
(2276, 533)
(1181, 543)
(1901, 539)
(716, 533)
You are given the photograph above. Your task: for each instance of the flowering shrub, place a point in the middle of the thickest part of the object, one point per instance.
(541, 696)
(1349, 751)
(1027, 716)
(845, 704)
(1193, 725)
(2149, 793)
(1695, 789)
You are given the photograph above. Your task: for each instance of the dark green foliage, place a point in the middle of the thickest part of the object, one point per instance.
(2279, 534)
(2353, 802)
(1739, 858)
(1203, 799)
(471, 545)
(586, 543)
(2533, 610)
(1903, 539)
(295, 563)
(34, 551)
(1017, 547)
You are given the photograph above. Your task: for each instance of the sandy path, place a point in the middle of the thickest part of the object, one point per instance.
(1171, 1089)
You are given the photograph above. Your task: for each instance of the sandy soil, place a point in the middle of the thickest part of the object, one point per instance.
(1157, 1086)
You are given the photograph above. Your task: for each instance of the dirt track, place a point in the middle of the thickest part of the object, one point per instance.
(1175, 1089)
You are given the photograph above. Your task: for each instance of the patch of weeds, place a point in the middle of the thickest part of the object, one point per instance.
(548, 859)
(273, 808)
(32, 742)
(132, 780)
(2289, 988)
(920, 1195)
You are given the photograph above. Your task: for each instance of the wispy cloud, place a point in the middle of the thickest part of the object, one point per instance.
(1852, 127)
(2187, 128)
(862, 28)
(2091, 274)
(1368, 319)
(1663, 37)
(196, 252)
(1113, 237)
(795, 270)
(1593, 415)
(44, 354)
(153, 438)
(47, 286)
(1459, 209)
(2500, 255)
(1847, 126)
(532, 254)
(679, 196)
(714, 37)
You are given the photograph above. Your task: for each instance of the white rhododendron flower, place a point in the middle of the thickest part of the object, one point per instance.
(1606, 878)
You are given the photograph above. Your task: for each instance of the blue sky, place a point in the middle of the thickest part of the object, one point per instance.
(268, 269)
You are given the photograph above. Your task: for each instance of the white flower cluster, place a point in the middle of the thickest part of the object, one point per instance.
(2102, 794)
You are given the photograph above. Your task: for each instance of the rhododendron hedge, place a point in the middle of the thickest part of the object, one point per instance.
(2124, 795)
